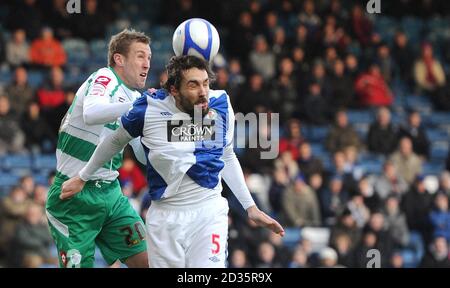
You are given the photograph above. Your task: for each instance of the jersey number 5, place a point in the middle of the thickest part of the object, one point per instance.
(216, 243)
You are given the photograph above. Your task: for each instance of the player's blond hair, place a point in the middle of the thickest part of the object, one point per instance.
(121, 42)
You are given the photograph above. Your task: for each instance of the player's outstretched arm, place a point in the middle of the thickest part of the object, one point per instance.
(104, 152)
(264, 220)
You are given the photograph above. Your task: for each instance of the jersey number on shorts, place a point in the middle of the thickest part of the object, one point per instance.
(129, 234)
(216, 243)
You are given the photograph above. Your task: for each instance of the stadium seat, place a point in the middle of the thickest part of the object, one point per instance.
(439, 119)
(318, 150)
(372, 166)
(419, 103)
(77, 51)
(314, 133)
(7, 182)
(161, 31)
(318, 236)
(35, 78)
(432, 168)
(360, 116)
(16, 163)
(291, 237)
(97, 50)
(5, 75)
(437, 135)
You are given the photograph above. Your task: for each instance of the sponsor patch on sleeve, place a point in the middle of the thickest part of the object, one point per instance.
(103, 80)
(99, 86)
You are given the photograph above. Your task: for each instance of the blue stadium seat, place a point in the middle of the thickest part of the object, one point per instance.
(360, 116)
(419, 103)
(77, 51)
(41, 179)
(433, 168)
(161, 31)
(5, 76)
(439, 150)
(318, 150)
(437, 135)
(372, 166)
(291, 237)
(16, 163)
(439, 119)
(36, 78)
(44, 162)
(98, 45)
(7, 182)
(315, 133)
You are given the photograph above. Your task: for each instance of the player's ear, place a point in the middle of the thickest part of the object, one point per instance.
(119, 60)
(173, 91)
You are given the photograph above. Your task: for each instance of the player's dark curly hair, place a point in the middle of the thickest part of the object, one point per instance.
(178, 64)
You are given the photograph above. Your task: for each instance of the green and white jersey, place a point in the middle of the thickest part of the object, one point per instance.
(86, 123)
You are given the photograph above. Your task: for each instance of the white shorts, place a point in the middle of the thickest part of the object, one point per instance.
(188, 237)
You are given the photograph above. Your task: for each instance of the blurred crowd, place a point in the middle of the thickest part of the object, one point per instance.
(310, 61)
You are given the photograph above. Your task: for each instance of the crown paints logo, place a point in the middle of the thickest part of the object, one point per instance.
(187, 131)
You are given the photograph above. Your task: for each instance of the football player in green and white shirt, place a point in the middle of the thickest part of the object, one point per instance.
(101, 215)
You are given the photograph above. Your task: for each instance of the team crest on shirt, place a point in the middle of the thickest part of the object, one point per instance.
(212, 114)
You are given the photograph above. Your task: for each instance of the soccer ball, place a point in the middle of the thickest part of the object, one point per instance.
(196, 37)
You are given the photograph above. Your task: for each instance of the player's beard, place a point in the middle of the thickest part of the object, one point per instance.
(190, 108)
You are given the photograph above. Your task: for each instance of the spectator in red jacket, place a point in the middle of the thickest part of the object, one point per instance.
(47, 51)
(371, 88)
(131, 173)
(293, 138)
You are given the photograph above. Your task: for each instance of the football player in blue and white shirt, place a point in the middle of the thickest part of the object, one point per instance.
(187, 131)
